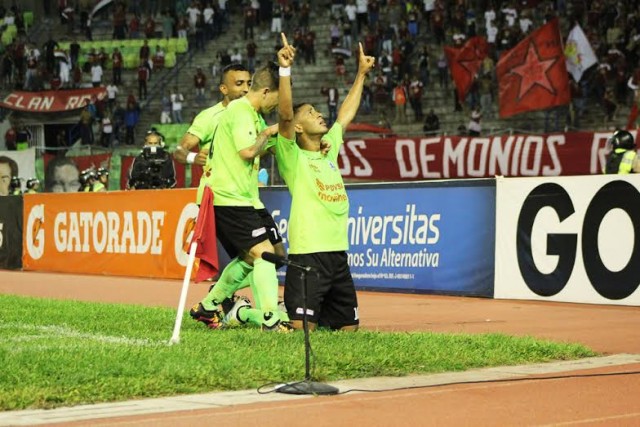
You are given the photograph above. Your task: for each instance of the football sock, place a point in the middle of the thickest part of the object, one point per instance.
(232, 276)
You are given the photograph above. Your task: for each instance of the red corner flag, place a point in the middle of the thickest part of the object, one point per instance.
(465, 62)
(533, 75)
(205, 236)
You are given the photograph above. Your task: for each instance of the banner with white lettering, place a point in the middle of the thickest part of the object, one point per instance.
(51, 101)
(400, 159)
(571, 239)
(429, 237)
(140, 233)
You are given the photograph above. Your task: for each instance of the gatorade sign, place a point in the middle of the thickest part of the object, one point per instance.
(136, 233)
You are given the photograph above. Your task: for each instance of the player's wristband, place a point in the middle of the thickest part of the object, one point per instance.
(284, 71)
(191, 157)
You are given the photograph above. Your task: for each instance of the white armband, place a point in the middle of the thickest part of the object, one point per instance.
(284, 71)
(191, 157)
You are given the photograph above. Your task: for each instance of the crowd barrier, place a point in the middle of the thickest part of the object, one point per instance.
(573, 239)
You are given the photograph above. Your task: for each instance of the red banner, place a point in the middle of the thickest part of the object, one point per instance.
(465, 63)
(406, 159)
(533, 75)
(51, 101)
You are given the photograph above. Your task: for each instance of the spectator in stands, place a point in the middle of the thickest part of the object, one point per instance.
(131, 118)
(119, 22)
(7, 70)
(158, 58)
(112, 92)
(76, 77)
(193, 12)
(182, 27)
(367, 98)
(96, 74)
(443, 72)
(276, 18)
(303, 15)
(331, 92)
(208, 15)
(287, 17)
(200, 33)
(106, 124)
(165, 113)
(88, 31)
(176, 105)
(610, 107)
(30, 75)
(74, 52)
(474, 128)
(143, 78)
(200, 84)
(249, 20)
(415, 97)
(134, 27)
(49, 49)
(431, 123)
(103, 58)
(252, 48)
(118, 116)
(145, 52)
(150, 27)
(86, 125)
(485, 90)
(64, 73)
(236, 56)
(116, 66)
(399, 97)
(10, 138)
(310, 47)
(168, 23)
(61, 176)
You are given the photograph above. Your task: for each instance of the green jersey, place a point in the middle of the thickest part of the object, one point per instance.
(319, 205)
(204, 127)
(235, 181)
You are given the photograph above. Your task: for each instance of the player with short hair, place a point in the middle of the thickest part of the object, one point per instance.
(244, 227)
(319, 207)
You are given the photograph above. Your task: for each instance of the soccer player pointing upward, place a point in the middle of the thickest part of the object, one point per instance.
(319, 207)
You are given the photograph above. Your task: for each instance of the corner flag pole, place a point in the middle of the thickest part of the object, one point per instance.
(175, 338)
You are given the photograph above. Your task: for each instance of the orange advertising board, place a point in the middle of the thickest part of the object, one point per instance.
(143, 233)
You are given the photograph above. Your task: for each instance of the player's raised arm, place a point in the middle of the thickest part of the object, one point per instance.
(285, 101)
(349, 107)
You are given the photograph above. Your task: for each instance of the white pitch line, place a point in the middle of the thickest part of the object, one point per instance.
(54, 331)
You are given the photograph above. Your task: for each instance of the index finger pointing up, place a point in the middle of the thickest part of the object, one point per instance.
(361, 50)
(284, 40)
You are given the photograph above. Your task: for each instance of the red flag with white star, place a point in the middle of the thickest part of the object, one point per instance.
(533, 75)
(465, 63)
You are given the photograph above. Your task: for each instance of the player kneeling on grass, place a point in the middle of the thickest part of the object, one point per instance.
(319, 207)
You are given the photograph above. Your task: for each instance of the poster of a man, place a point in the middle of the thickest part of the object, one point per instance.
(61, 176)
(8, 169)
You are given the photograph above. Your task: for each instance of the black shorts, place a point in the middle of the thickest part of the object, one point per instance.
(239, 228)
(331, 294)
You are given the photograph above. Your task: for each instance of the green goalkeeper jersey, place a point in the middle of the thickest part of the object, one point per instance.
(319, 206)
(234, 180)
(204, 128)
